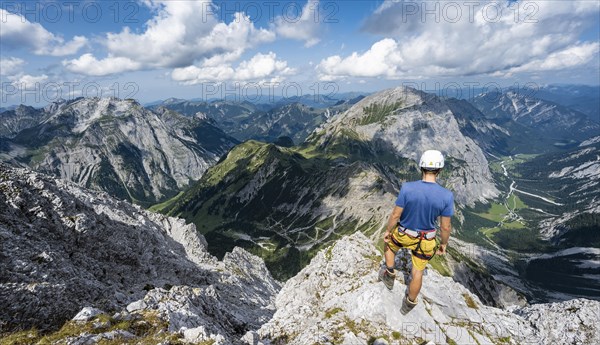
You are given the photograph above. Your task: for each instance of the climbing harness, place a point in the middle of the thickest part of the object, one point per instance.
(427, 235)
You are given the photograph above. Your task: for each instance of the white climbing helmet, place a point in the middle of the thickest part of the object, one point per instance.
(432, 160)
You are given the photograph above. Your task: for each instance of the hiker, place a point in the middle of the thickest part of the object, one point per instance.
(412, 225)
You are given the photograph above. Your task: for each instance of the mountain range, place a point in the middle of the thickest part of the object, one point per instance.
(295, 118)
(582, 98)
(114, 145)
(537, 122)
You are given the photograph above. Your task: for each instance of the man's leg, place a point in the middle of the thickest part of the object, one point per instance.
(390, 256)
(388, 274)
(415, 284)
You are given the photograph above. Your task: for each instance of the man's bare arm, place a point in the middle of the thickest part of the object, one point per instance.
(392, 222)
(446, 228)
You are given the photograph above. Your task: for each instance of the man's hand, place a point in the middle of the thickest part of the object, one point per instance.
(386, 236)
(442, 249)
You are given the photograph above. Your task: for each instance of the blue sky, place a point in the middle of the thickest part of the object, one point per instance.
(154, 49)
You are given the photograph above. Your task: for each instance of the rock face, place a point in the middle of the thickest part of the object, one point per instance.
(410, 122)
(338, 300)
(569, 322)
(64, 248)
(116, 146)
(15, 120)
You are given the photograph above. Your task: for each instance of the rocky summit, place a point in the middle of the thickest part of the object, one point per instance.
(406, 121)
(338, 300)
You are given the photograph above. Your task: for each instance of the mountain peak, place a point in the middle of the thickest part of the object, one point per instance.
(173, 100)
(407, 122)
(117, 145)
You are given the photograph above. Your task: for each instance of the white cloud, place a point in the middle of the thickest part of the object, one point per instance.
(87, 64)
(18, 32)
(573, 56)
(10, 66)
(28, 82)
(302, 26)
(258, 68)
(381, 60)
(417, 45)
(180, 33)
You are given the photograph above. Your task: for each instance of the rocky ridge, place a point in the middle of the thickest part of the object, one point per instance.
(118, 146)
(15, 120)
(544, 117)
(338, 300)
(266, 122)
(63, 248)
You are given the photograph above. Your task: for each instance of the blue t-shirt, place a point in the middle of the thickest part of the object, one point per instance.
(422, 203)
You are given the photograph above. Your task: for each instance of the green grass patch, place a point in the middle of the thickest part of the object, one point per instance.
(470, 302)
(147, 327)
(19, 338)
(515, 202)
(329, 253)
(325, 224)
(513, 225)
(375, 112)
(489, 231)
(504, 340)
(165, 204)
(331, 312)
(517, 160)
(495, 213)
(372, 339)
(249, 156)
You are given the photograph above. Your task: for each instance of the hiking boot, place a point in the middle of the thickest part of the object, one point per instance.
(408, 305)
(387, 278)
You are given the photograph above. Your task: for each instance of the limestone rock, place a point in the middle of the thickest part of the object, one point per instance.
(87, 313)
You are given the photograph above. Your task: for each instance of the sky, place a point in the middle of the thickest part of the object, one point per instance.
(153, 50)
